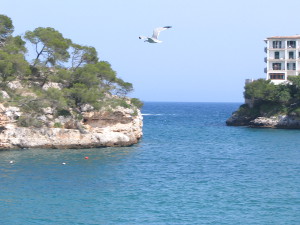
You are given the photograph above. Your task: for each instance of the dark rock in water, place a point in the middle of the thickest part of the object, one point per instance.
(238, 120)
(279, 121)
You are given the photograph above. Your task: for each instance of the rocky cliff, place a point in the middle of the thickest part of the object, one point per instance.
(115, 127)
(279, 121)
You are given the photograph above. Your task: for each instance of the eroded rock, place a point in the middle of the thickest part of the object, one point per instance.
(98, 129)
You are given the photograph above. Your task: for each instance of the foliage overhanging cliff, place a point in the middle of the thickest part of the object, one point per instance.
(63, 76)
(265, 99)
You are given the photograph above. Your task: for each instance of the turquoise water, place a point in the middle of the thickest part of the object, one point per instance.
(189, 168)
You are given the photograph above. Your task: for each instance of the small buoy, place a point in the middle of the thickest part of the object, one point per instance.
(64, 163)
(86, 157)
(11, 162)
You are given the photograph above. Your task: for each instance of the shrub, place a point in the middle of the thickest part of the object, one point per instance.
(63, 112)
(295, 112)
(29, 121)
(57, 125)
(137, 103)
(245, 110)
(271, 109)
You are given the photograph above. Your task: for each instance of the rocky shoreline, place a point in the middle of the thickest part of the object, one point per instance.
(116, 127)
(279, 121)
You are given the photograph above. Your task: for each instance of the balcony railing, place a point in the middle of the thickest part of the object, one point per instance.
(274, 68)
(278, 59)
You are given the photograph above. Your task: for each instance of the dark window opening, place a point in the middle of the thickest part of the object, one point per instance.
(291, 66)
(277, 55)
(291, 44)
(277, 76)
(291, 55)
(276, 66)
(277, 44)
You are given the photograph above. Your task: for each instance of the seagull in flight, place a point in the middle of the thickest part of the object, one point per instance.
(154, 37)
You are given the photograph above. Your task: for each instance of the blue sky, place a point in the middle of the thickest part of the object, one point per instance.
(213, 47)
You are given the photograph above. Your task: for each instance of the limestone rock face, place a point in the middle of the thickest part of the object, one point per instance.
(280, 121)
(15, 85)
(119, 127)
(52, 85)
(4, 95)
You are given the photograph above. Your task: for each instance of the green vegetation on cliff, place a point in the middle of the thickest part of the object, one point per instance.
(267, 99)
(62, 75)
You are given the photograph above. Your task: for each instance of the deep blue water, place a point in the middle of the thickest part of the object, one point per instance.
(189, 168)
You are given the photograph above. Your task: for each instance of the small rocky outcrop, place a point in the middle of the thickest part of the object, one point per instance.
(238, 120)
(279, 121)
(115, 127)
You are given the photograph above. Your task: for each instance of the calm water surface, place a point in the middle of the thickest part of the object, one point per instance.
(189, 168)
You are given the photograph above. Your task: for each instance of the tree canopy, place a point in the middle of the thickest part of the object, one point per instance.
(50, 46)
(76, 69)
(6, 28)
(263, 90)
(269, 99)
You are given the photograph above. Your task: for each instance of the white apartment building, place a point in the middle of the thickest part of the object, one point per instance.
(283, 57)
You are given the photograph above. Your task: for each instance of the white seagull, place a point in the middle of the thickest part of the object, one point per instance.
(154, 37)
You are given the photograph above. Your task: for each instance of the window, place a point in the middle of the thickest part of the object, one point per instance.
(277, 76)
(276, 44)
(277, 55)
(276, 66)
(291, 66)
(291, 44)
(291, 55)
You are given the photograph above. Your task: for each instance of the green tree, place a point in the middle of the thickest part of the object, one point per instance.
(109, 80)
(260, 90)
(123, 88)
(282, 94)
(50, 46)
(15, 45)
(82, 55)
(86, 75)
(295, 87)
(6, 28)
(80, 94)
(55, 99)
(12, 65)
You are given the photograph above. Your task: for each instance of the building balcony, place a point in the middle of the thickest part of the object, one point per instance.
(276, 69)
(276, 49)
(273, 59)
(282, 48)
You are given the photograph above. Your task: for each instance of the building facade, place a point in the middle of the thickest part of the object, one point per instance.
(283, 57)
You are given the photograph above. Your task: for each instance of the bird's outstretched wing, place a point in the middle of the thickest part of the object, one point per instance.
(142, 37)
(156, 31)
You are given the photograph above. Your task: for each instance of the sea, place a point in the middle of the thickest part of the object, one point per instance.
(189, 168)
